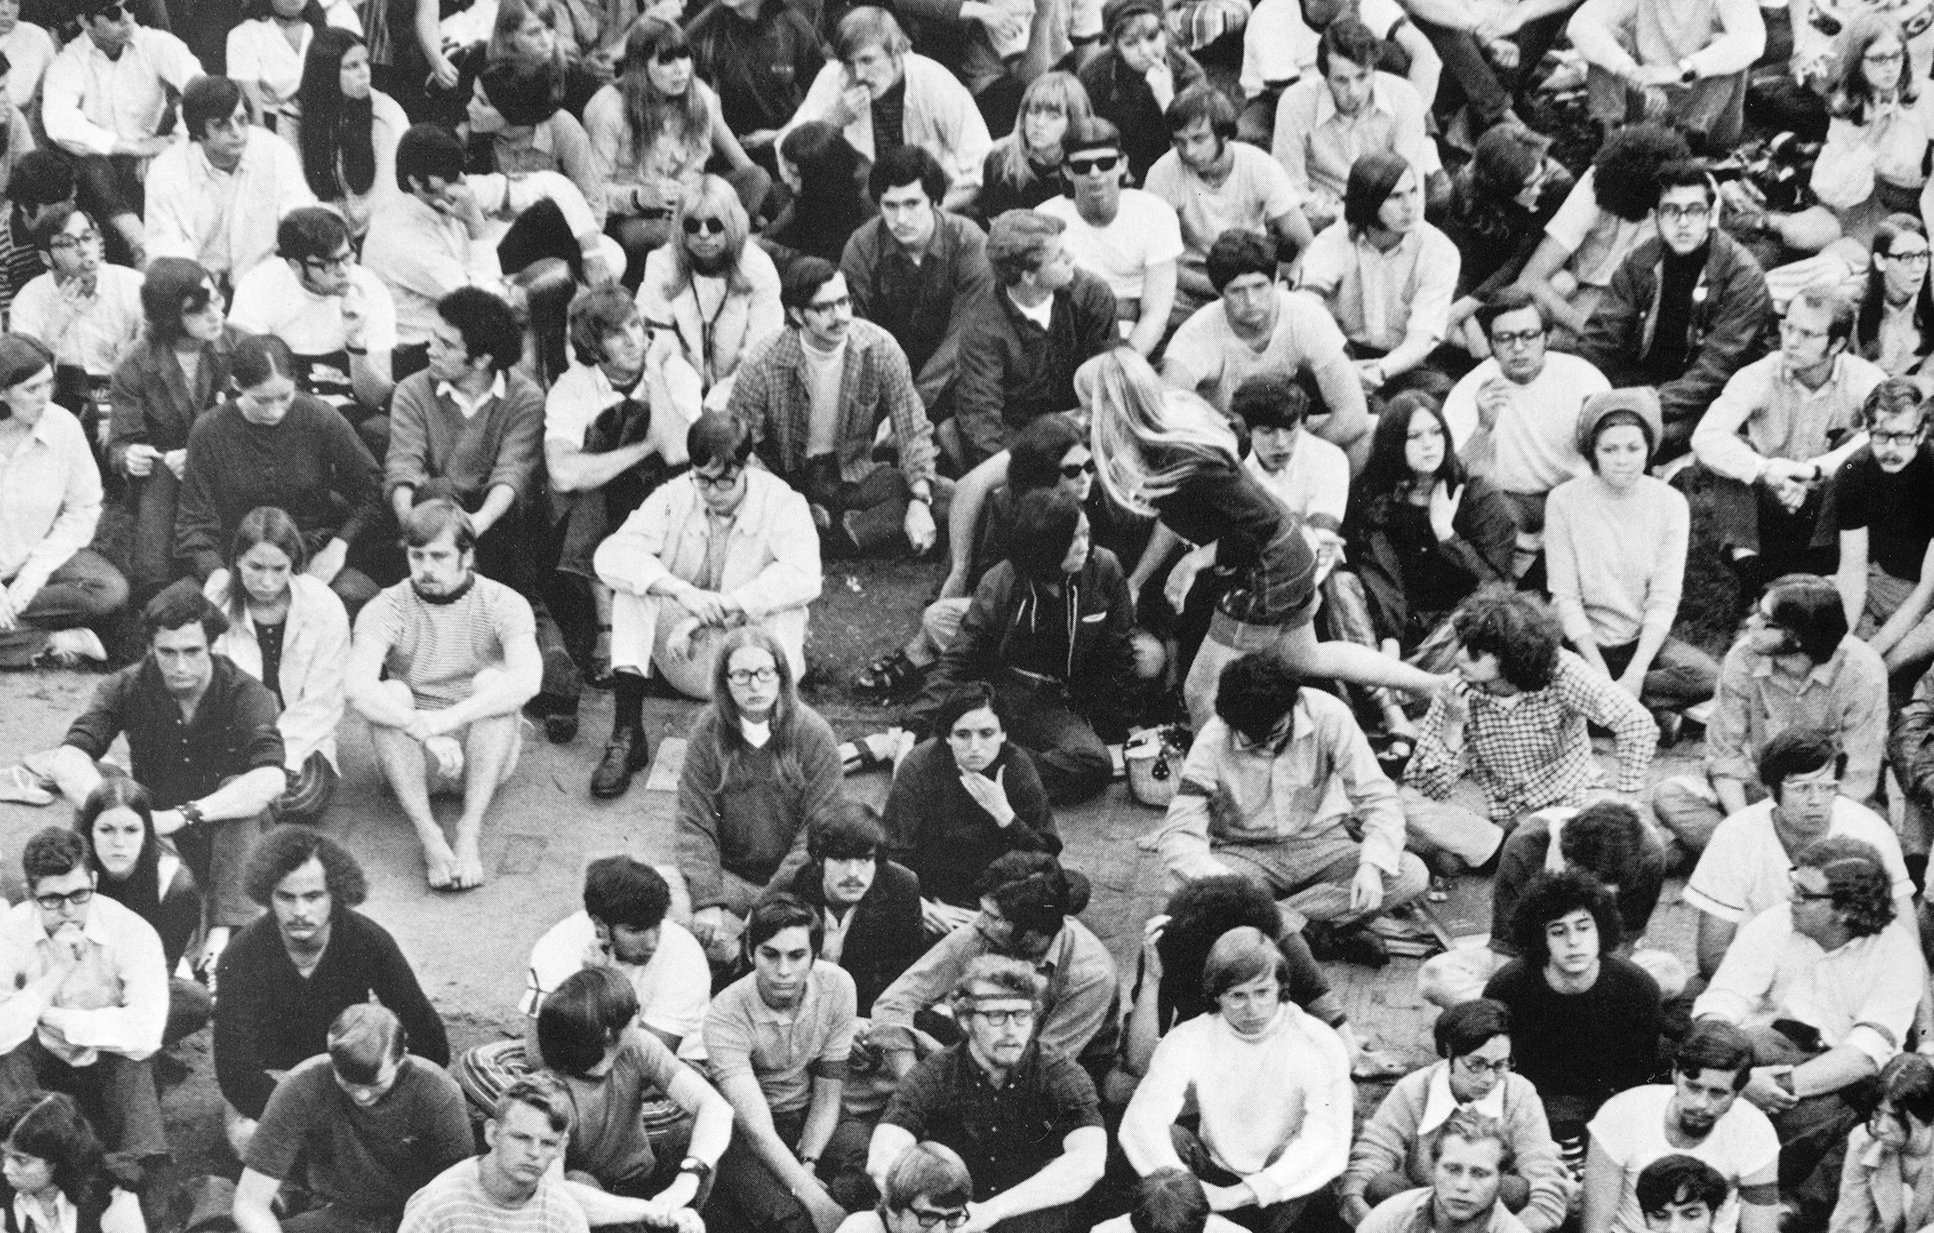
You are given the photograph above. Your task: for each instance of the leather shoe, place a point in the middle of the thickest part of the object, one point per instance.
(627, 754)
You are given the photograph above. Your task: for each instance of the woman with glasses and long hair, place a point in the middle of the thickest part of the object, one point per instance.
(267, 52)
(135, 869)
(289, 631)
(759, 765)
(1887, 1183)
(1024, 167)
(57, 1173)
(677, 595)
(654, 130)
(274, 445)
(171, 377)
(1895, 326)
(346, 130)
(1166, 453)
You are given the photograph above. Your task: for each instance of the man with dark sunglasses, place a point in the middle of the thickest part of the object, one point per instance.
(1128, 237)
(105, 100)
(1026, 1112)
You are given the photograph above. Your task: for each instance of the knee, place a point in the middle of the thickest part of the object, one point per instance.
(1408, 884)
(395, 693)
(107, 593)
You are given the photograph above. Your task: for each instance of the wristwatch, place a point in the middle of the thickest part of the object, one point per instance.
(1687, 73)
(190, 813)
(697, 1167)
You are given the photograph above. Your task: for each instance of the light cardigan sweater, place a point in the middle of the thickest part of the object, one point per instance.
(1397, 1138)
(1874, 1197)
(1275, 1108)
(940, 115)
(315, 648)
(1616, 561)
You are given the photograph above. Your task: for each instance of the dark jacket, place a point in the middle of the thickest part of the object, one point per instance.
(1393, 547)
(152, 402)
(941, 833)
(1012, 371)
(1123, 97)
(760, 68)
(1730, 314)
(885, 936)
(999, 631)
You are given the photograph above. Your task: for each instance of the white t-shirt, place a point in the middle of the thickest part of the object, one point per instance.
(1278, 45)
(1598, 240)
(270, 299)
(1206, 356)
(1630, 1127)
(1315, 482)
(1256, 190)
(1746, 870)
(674, 988)
(30, 49)
(1145, 233)
(1534, 445)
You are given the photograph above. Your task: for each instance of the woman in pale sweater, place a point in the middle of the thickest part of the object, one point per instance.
(1393, 1152)
(287, 629)
(1615, 555)
(759, 767)
(1271, 1085)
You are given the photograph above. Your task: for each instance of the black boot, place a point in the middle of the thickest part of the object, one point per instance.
(628, 752)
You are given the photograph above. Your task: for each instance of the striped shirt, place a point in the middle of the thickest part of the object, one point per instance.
(438, 649)
(456, 1202)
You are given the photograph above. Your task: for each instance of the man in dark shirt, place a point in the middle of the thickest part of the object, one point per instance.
(290, 973)
(1023, 339)
(1025, 1120)
(760, 55)
(871, 905)
(1879, 505)
(916, 270)
(201, 738)
(359, 1129)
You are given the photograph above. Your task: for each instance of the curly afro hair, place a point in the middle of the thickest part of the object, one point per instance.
(1553, 896)
(1625, 172)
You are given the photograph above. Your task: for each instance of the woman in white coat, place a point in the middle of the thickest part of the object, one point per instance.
(289, 631)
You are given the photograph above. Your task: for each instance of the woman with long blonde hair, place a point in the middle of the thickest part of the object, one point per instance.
(759, 766)
(1165, 453)
(1024, 167)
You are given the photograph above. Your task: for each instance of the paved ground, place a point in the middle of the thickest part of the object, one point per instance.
(470, 949)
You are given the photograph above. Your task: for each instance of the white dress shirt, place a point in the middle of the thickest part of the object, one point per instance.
(91, 102)
(116, 998)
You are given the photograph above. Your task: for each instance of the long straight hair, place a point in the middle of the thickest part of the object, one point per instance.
(1150, 439)
(338, 148)
(265, 524)
(1055, 89)
(140, 891)
(785, 709)
(1873, 301)
(648, 112)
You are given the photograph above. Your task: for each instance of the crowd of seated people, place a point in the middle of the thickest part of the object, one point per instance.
(407, 368)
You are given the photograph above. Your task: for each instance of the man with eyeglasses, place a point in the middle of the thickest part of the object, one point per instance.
(86, 310)
(722, 545)
(1128, 237)
(1744, 869)
(86, 997)
(1022, 1112)
(1877, 504)
(1684, 311)
(1779, 430)
(816, 398)
(1699, 1114)
(103, 101)
(338, 318)
(1514, 418)
(1826, 989)
(217, 198)
(1391, 1153)
(926, 1189)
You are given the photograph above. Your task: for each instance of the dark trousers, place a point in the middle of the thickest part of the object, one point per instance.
(1811, 1130)
(189, 1009)
(217, 854)
(1276, 1218)
(1470, 77)
(85, 589)
(1681, 675)
(872, 512)
(1073, 761)
(115, 1092)
(151, 556)
(747, 1198)
(1748, 516)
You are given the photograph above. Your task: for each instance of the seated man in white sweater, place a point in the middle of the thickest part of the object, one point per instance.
(1271, 1086)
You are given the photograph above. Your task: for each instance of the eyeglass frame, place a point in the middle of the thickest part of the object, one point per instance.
(1522, 338)
(1684, 213)
(746, 676)
(80, 897)
(322, 265)
(1092, 166)
(709, 225)
(722, 482)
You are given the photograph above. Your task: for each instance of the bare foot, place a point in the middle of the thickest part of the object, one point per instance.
(470, 873)
(442, 864)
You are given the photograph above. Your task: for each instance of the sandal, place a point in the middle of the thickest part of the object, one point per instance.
(888, 676)
(865, 755)
(23, 787)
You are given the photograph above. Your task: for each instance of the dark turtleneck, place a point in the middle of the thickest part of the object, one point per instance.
(1670, 353)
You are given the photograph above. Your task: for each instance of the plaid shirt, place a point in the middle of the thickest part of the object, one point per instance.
(773, 398)
(1531, 750)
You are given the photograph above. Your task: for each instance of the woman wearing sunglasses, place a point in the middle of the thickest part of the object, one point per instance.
(713, 292)
(653, 130)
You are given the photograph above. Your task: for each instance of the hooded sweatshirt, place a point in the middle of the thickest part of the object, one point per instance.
(1616, 560)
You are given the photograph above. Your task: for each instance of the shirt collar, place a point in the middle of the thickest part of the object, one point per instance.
(1326, 102)
(447, 389)
(1820, 674)
(1834, 373)
(1439, 1103)
(1409, 240)
(27, 1214)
